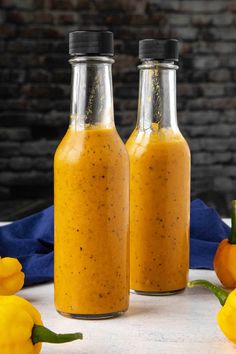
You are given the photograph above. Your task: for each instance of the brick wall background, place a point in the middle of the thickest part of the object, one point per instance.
(35, 87)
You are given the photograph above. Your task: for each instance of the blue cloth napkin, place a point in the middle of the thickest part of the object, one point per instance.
(206, 231)
(31, 241)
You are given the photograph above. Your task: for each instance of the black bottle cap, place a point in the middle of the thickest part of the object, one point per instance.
(91, 43)
(159, 49)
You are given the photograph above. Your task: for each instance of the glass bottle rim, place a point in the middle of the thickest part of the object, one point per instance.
(152, 64)
(91, 58)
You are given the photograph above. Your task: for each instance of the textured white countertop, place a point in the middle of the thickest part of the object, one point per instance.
(182, 323)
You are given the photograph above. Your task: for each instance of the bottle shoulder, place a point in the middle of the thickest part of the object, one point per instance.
(90, 144)
(163, 139)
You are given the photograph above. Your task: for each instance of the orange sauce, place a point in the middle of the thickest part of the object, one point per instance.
(159, 214)
(91, 172)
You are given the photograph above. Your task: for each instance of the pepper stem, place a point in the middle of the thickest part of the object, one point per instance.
(220, 293)
(43, 334)
(232, 236)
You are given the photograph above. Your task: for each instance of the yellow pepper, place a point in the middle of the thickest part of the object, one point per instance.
(11, 276)
(22, 330)
(226, 317)
(225, 257)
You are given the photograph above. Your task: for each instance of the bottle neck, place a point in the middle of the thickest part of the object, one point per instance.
(157, 96)
(92, 94)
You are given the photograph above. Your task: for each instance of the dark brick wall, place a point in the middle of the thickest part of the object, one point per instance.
(35, 85)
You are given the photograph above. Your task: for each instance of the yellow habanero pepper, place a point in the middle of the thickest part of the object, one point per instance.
(226, 317)
(225, 257)
(22, 330)
(11, 276)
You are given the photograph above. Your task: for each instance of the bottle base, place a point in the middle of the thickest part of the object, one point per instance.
(102, 316)
(156, 293)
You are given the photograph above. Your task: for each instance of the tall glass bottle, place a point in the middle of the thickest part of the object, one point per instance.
(160, 177)
(91, 179)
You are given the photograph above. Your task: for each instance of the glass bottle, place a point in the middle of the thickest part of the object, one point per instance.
(91, 183)
(159, 178)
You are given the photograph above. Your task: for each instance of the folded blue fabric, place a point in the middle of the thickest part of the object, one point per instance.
(31, 241)
(206, 231)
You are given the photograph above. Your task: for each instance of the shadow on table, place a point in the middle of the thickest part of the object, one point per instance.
(136, 310)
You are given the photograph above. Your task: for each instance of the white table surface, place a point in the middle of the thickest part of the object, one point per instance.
(182, 323)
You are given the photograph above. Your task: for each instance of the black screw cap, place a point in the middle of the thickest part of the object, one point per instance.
(91, 43)
(159, 49)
